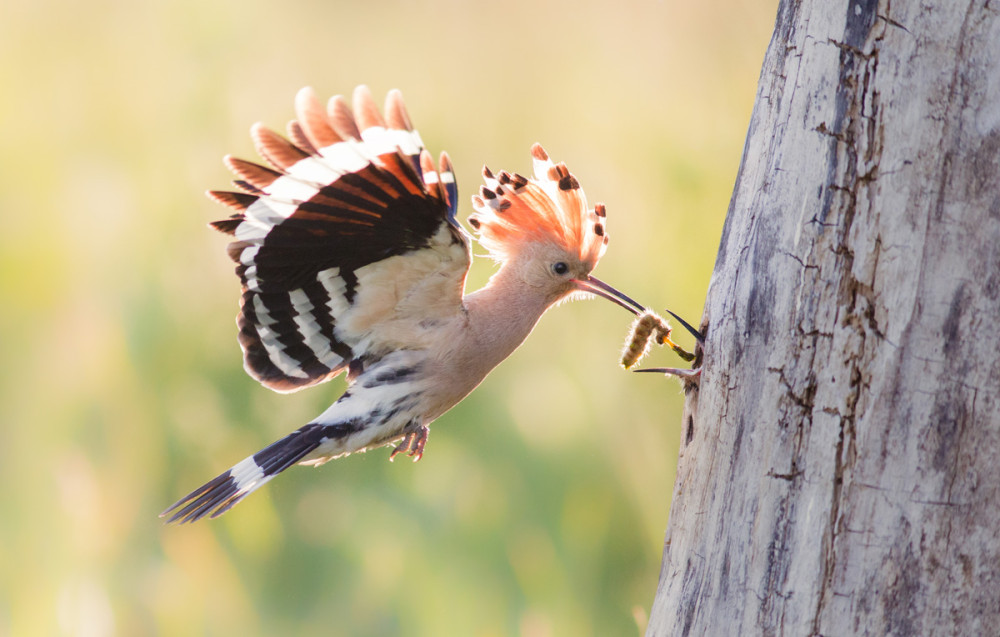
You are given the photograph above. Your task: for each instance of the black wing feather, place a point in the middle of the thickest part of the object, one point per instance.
(377, 210)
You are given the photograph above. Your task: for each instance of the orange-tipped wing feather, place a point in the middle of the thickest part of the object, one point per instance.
(349, 198)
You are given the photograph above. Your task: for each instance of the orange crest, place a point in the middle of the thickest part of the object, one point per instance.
(512, 210)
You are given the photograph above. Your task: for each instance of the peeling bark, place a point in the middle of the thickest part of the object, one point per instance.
(840, 463)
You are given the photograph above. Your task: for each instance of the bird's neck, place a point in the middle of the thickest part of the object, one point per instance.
(503, 313)
(497, 319)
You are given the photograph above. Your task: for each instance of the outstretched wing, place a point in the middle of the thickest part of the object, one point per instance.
(349, 234)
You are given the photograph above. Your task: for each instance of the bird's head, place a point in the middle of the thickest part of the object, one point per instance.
(543, 227)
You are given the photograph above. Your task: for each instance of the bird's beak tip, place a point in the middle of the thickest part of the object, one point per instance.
(595, 286)
(672, 371)
(695, 333)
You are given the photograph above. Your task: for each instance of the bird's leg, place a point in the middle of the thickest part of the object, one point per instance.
(412, 444)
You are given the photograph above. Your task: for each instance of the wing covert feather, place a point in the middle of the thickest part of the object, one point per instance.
(338, 241)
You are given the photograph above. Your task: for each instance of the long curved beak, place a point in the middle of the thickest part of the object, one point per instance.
(695, 333)
(595, 286)
(672, 371)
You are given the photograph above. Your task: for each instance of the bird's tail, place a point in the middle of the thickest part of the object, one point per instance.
(220, 494)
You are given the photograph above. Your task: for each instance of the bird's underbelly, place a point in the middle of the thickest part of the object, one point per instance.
(376, 433)
(393, 397)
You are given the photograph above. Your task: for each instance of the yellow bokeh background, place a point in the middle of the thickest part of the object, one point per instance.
(540, 506)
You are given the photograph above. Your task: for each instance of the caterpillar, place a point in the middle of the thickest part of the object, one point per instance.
(649, 326)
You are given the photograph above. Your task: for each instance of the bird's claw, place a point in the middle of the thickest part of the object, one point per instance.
(412, 444)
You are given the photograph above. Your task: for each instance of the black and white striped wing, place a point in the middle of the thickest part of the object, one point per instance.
(352, 219)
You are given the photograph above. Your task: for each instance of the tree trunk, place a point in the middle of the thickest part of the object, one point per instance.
(840, 463)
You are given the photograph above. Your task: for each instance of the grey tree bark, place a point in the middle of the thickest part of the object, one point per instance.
(840, 463)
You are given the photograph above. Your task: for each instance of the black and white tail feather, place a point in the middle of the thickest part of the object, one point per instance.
(383, 405)
(351, 207)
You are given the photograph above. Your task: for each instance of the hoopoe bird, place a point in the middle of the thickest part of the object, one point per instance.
(352, 260)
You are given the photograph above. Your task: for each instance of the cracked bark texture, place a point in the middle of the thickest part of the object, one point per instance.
(840, 463)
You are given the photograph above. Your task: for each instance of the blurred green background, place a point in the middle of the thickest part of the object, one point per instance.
(540, 506)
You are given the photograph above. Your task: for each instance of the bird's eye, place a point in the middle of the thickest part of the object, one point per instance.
(560, 268)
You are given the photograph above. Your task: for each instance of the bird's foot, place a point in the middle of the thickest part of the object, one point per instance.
(412, 444)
